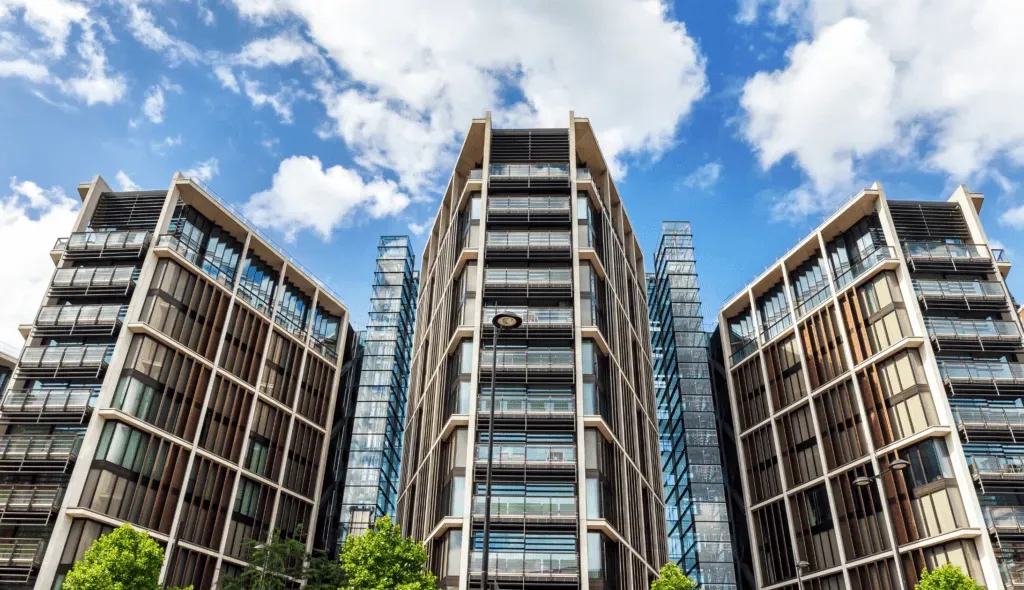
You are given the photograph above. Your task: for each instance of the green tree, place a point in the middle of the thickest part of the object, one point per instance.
(124, 559)
(382, 559)
(324, 573)
(947, 577)
(283, 557)
(673, 578)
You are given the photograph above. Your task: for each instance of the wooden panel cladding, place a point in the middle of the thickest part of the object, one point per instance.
(303, 459)
(823, 344)
(877, 575)
(315, 390)
(762, 464)
(785, 379)
(862, 522)
(250, 518)
(875, 316)
(281, 373)
(206, 502)
(162, 386)
(771, 529)
(799, 446)
(896, 398)
(840, 422)
(226, 416)
(961, 553)
(815, 528)
(834, 582)
(266, 441)
(186, 308)
(750, 393)
(293, 517)
(135, 476)
(243, 344)
(192, 568)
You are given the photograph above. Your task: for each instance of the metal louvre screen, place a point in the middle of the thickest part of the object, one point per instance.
(524, 146)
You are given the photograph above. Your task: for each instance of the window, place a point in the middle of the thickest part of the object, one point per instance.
(259, 453)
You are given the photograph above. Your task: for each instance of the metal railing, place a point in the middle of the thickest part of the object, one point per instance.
(959, 289)
(39, 447)
(584, 174)
(47, 400)
(224, 276)
(529, 239)
(543, 277)
(529, 359)
(943, 251)
(87, 355)
(21, 553)
(526, 507)
(81, 315)
(529, 404)
(1004, 518)
(476, 174)
(981, 371)
(527, 564)
(104, 276)
(528, 204)
(744, 351)
(973, 329)
(29, 498)
(999, 255)
(104, 240)
(777, 326)
(61, 245)
(536, 316)
(528, 171)
(847, 274)
(821, 293)
(529, 454)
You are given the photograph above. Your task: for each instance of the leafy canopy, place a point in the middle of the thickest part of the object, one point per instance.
(124, 559)
(382, 559)
(947, 577)
(284, 557)
(673, 578)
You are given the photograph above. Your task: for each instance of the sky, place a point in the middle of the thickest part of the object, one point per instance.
(331, 123)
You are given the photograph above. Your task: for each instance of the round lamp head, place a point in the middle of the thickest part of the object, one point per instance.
(862, 481)
(803, 565)
(506, 320)
(899, 465)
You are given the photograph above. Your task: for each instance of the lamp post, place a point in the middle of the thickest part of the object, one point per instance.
(266, 561)
(800, 567)
(502, 321)
(865, 481)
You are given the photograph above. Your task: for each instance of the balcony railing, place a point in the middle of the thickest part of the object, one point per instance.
(534, 359)
(778, 326)
(476, 174)
(66, 357)
(527, 564)
(943, 251)
(984, 371)
(1004, 519)
(528, 239)
(997, 467)
(1012, 572)
(218, 272)
(933, 288)
(817, 294)
(542, 405)
(42, 406)
(973, 329)
(999, 255)
(38, 453)
(79, 319)
(29, 504)
(536, 316)
(89, 281)
(989, 418)
(118, 244)
(538, 277)
(529, 171)
(523, 205)
(584, 174)
(745, 349)
(19, 558)
(847, 274)
(542, 455)
(526, 507)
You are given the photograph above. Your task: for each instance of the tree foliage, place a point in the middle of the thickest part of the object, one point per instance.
(382, 559)
(947, 577)
(673, 578)
(124, 559)
(283, 557)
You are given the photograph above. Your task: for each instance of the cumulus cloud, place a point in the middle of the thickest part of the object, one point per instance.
(126, 182)
(704, 177)
(31, 220)
(153, 106)
(94, 84)
(1013, 217)
(281, 101)
(227, 78)
(143, 27)
(418, 229)
(304, 195)
(22, 68)
(282, 50)
(203, 171)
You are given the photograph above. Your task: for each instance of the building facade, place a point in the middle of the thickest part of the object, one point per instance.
(886, 334)
(180, 376)
(8, 360)
(531, 223)
(696, 507)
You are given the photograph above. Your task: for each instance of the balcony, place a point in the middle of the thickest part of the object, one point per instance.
(741, 350)
(72, 361)
(529, 209)
(983, 378)
(533, 566)
(519, 176)
(115, 281)
(1005, 523)
(1002, 261)
(984, 425)
(19, 559)
(29, 504)
(1012, 572)
(961, 295)
(815, 295)
(533, 509)
(996, 473)
(780, 323)
(79, 320)
(538, 245)
(104, 244)
(519, 365)
(983, 335)
(539, 322)
(527, 282)
(529, 405)
(848, 273)
(942, 257)
(533, 455)
(47, 406)
(219, 273)
(476, 174)
(38, 453)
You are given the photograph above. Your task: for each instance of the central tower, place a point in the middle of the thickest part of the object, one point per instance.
(531, 223)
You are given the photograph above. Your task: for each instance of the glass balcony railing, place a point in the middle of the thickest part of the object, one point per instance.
(98, 243)
(981, 371)
(553, 204)
(525, 507)
(94, 279)
(70, 356)
(814, 296)
(529, 171)
(1012, 572)
(38, 401)
(999, 255)
(69, 316)
(996, 466)
(61, 245)
(476, 174)
(972, 329)
(24, 499)
(1004, 519)
(742, 350)
(943, 251)
(527, 564)
(536, 359)
(39, 447)
(20, 554)
(528, 239)
(505, 454)
(536, 316)
(779, 325)
(539, 277)
(529, 404)
(218, 272)
(584, 174)
(989, 418)
(848, 273)
(938, 289)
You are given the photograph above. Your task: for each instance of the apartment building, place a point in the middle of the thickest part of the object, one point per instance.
(531, 223)
(180, 375)
(875, 382)
(696, 502)
(8, 360)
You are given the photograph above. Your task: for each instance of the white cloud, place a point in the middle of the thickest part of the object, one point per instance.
(281, 101)
(203, 171)
(22, 68)
(305, 195)
(205, 14)
(419, 228)
(52, 19)
(227, 78)
(126, 182)
(166, 143)
(1013, 217)
(145, 30)
(31, 220)
(704, 177)
(428, 86)
(155, 102)
(875, 76)
(281, 50)
(94, 85)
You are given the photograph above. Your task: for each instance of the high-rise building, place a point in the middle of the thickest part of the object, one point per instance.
(8, 360)
(696, 501)
(876, 385)
(180, 375)
(531, 223)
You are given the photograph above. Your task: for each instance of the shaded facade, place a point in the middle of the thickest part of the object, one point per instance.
(696, 503)
(8, 360)
(888, 333)
(180, 375)
(531, 222)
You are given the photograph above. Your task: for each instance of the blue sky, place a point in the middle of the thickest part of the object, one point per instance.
(332, 123)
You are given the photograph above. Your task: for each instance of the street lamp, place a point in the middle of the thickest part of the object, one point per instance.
(800, 567)
(865, 480)
(266, 561)
(502, 321)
